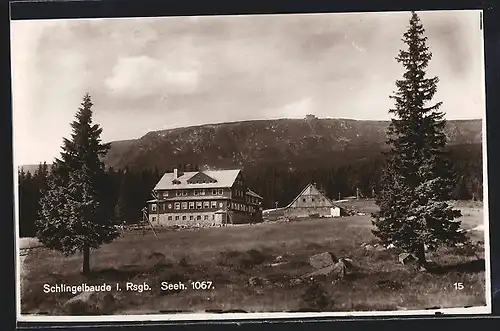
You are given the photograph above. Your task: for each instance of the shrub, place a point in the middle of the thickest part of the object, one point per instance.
(315, 297)
(183, 262)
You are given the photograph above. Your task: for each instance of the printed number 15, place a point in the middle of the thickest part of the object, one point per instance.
(458, 286)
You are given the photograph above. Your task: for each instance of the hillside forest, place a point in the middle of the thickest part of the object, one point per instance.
(128, 188)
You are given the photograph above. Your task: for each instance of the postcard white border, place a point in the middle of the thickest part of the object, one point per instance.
(477, 311)
(486, 209)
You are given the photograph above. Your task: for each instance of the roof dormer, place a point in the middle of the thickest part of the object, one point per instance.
(201, 178)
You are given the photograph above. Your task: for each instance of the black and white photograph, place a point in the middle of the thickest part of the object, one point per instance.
(250, 166)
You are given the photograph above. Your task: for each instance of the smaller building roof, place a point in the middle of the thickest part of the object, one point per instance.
(311, 185)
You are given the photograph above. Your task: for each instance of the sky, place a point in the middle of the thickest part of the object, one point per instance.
(148, 74)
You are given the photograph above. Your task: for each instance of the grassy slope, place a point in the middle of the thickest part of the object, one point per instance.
(220, 255)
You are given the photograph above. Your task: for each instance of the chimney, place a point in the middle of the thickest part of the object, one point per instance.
(175, 173)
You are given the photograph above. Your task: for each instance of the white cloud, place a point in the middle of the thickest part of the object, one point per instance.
(142, 76)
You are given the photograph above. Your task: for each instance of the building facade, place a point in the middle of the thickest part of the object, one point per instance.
(312, 203)
(204, 198)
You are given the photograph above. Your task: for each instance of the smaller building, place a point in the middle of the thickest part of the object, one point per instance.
(311, 202)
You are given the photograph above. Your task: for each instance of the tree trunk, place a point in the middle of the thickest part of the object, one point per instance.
(86, 260)
(420, 255)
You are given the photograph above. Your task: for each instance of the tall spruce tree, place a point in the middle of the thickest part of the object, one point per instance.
(72, 217)
(418, 180)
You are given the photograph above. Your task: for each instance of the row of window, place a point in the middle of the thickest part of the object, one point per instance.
(248, 198)
(314, 199)
(242, 207)
(183, 193)
(189, 205)
(203, 192)
(201, 205)
(191, 218)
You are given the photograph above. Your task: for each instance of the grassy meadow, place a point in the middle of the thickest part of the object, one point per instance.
(241, 261)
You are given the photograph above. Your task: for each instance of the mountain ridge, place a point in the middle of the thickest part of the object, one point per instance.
(250, 142)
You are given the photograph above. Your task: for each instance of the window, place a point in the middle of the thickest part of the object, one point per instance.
(184, 205)
(170, 218)
(162, 206)
(303, 199)
(214, 204)
(221, 205)
(196, 192)
(213, 217)
(220, 192)
(191, 205)
(178, 193)
(176, 218)
(154, 219)
(191, 217)
(184, 217)
(169, 206)
(177, 205)
(312, 199)
(206, 204)
(164, 194)
(202, 192)
(214, 192)
(233, 205)
(198, 205)
(198, 217)
(205, 217)
(153, 207)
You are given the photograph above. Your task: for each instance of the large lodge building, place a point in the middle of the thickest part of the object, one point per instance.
(204, 198)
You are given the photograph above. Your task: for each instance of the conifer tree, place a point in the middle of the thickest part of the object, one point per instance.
(72, 218)
(418, 181)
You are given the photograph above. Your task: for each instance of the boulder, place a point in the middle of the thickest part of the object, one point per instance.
(406, 258)
(321, 272)
(322, 260)
(339, 269)
(90, 303)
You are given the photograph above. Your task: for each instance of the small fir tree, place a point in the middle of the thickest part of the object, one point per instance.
(72, 217)
(418, 180)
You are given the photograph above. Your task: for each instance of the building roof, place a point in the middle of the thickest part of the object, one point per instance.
(223, 178)
(305, 189)
(252, 193)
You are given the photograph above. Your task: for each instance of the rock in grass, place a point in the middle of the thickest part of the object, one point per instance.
(321, 272)
(406, 258)
(322, 260)
(89, 303)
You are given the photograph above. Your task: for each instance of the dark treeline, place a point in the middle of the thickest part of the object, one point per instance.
(126, 194)
(127, 190)
(279, 184)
